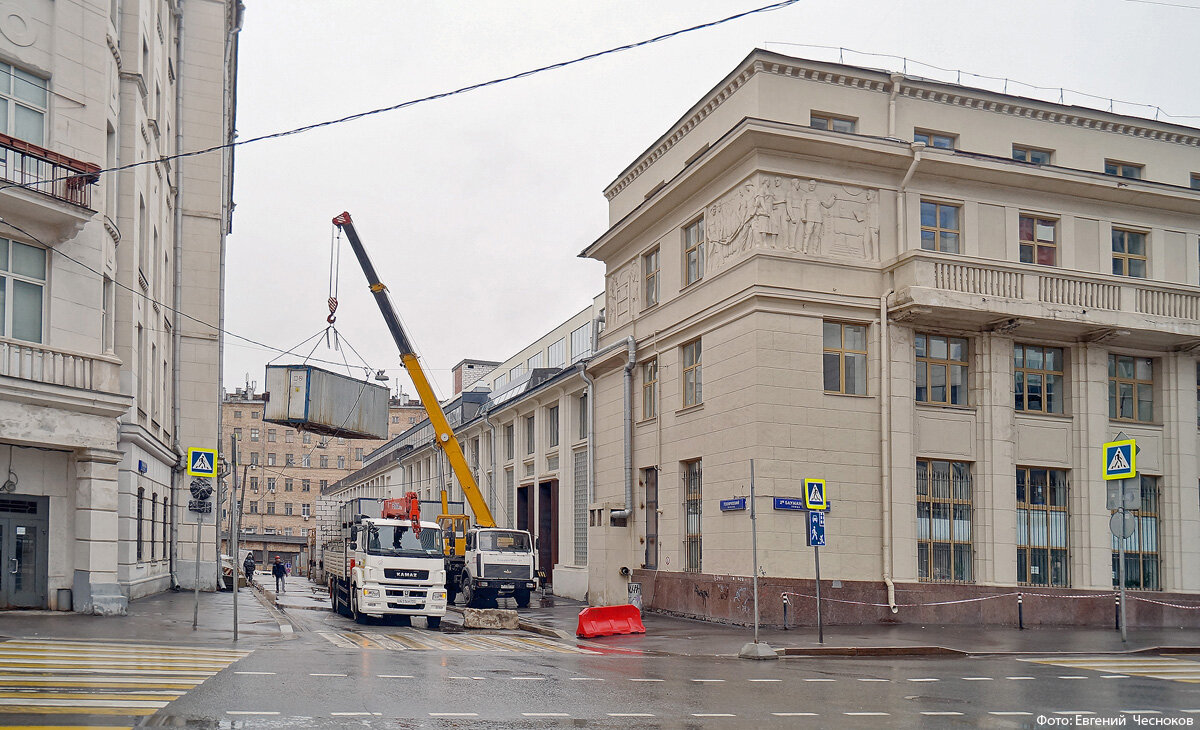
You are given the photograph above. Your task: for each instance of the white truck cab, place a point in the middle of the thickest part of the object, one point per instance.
(497, 563)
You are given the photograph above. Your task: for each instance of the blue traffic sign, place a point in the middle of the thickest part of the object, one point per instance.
(733, 505)
(794, 504)
(202, 462)
(816, 529)
(815, 496)
(1120, 459)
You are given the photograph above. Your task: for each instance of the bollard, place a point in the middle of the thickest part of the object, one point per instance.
(1117, 614)
(1021, 611)
(785, 607)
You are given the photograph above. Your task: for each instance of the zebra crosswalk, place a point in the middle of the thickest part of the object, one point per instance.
(1156, 667)
(414, 639)
(98, 682)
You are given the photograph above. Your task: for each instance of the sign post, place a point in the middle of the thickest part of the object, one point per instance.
(1120, 465)
(202, 469)
(816, 538)
(755, 650)
(235, 515)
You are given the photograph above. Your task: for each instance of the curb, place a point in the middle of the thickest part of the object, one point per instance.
(900, 651)
(268, 600)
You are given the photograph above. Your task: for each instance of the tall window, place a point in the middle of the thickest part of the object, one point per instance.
(509, 439)
(254, 434)
(693, 252)
(1042, 527)
(271, 484)
(537, 360)
(1031, 154)
(358, 454)
(324, 461)
(305, 509)
(270, 435)
(22, 287)
(1123, 169)
(153, 524)
(529, 434)
(306, 437)
(1141, 547)
(1038, 378)
(139, 509)
(287, 508)
(288, 484)
(166, 524)
(1128, 253)
(271, 459)
(583, 415)
(692, 490)
(693, 391)
(845, 358)
(289, 459)
(551, 428)
(254, 457)
(939, 227)
(944, 549)
(341, 462)
(556, 354)
(306, 460)
(941, 370)
(818, 120)
(1039, 240)
(941, 140)
(270, 508)
(322, 484)
(305, 485)
(1130, 388)
(650, 276)
(581, 342)
(650, 388)
(23, 97)
(289, 437)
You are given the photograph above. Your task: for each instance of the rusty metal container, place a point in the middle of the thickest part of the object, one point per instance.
(311, 399)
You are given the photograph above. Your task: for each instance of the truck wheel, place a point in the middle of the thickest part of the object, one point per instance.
(469, 594)
(522, 597)
(433, 622)
(333, 599)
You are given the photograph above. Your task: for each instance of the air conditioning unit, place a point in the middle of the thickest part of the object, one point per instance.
(306, 518)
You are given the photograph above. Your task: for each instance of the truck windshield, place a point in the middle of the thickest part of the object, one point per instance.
(400, 541)
(505, 542)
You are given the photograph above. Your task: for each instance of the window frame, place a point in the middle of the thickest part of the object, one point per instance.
(692, 472)
(1115, 381)
(1127, 258)
(1149, 514)
(649, 370)
(829, 122)
(931, 136)
(1034, 241)
(1022, 372)
(951, 502)
(692, 375)
(937, 230)
(530, 435)
(1027, 507)
(1029, 151)
(1119, 168)
(551, 429)
(841, 352)
(693, 251)
(924, 363)
(8, 284)
(9, 94)
(651, 266)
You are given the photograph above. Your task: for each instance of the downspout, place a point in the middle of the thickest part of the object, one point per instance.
(891, 128)
(487, 418)
(176, 335)
(627, 437)
(885, 392)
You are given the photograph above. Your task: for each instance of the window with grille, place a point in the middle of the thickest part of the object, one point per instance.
(693, 392)
(693, 509)
(1042, 535)
(580, 515)
(1038, 378)
(1130, 388)
(944, 547)
(1142, 561)
(693, 252)
(650, 388)
(141, 498)
(1039, 240)
(941, 370)
(845, 358)
(940, 226)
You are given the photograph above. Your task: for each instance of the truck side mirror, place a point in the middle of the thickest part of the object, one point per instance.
(353, 545)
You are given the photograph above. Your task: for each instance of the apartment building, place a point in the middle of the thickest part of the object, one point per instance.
(108, 368)
(941, 300)
(284, 472)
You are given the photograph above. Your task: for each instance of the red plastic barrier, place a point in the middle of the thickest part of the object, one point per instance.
(608, 620)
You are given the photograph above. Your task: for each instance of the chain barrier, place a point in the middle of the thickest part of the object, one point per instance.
(982, 598)
(1161, 603)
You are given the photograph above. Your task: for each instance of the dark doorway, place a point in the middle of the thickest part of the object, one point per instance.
(547, 528)
(524, 507)
(24, 540)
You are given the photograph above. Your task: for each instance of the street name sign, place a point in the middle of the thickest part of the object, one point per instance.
(1120, 459)
(816, 529)
(733, 505)
(202, 462)
(814, 494)
(792, 504)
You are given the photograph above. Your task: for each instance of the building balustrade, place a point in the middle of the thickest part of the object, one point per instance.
(31, 361)
(36, 168)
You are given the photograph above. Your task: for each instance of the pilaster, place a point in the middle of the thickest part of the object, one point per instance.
(95, 586)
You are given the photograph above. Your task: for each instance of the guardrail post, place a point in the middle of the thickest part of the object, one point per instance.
(785, 608)
(1021, 611)
(1117, 613)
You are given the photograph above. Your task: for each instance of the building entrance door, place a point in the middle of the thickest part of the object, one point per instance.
(24, 523)
(547, 528)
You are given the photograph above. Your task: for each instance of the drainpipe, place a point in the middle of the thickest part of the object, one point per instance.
(901, 208)
(630, 344)
(176, 335)
(891, 128)
(885, 447)
(492, 490)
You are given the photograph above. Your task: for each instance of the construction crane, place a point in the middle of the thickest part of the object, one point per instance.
(437, 417)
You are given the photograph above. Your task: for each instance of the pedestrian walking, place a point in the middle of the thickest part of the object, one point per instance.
(248, 568)
(280, 573)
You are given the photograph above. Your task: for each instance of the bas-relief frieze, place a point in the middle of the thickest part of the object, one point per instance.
(792, 215)
(622, 294)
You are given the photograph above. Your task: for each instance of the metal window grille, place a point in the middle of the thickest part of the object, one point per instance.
(944, 547)
(1042, 527)
(1142, 561)
(693, 502)
(581, 506)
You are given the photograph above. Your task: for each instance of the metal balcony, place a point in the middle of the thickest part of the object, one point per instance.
(49, 173)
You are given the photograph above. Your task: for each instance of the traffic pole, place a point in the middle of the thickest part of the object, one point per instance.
(1121, 560)
(817, 563)
(754, 548)
(235, 509)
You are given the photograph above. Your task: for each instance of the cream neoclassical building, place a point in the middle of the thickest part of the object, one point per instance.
(102, 384)
(939, 299)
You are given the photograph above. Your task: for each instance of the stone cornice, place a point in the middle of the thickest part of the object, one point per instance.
(46, 395)
(854, 77)
(136, 434)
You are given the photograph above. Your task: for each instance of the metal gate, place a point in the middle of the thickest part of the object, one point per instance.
(24, 538)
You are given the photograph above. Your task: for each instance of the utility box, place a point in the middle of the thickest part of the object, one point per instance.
(315, 400)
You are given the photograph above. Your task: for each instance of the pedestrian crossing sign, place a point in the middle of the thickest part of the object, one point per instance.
(1120, 459)
(202, 462)
(814, 494)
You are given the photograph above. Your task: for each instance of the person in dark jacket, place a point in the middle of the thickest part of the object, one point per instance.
(248, 568)
(279, 572)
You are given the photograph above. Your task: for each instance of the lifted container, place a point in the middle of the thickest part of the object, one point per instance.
(315, 400)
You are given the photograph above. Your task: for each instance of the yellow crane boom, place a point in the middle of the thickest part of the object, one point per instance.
(437, 417)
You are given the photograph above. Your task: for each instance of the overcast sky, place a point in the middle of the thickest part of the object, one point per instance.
(474, 208)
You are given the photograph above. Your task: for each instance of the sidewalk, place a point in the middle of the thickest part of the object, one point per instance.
(162, 618)
(687, 637)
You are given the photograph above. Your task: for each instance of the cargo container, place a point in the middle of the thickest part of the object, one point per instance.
(311, 399)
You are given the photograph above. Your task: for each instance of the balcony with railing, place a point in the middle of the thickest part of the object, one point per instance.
(36, 168)
(974, 289)
(38, 363)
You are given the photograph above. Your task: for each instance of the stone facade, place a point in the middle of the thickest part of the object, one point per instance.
(923, 294)
(102, 383)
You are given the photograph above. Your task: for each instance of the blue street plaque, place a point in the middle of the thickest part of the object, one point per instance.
(816, 529)
(733, 505)
(794, 504)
